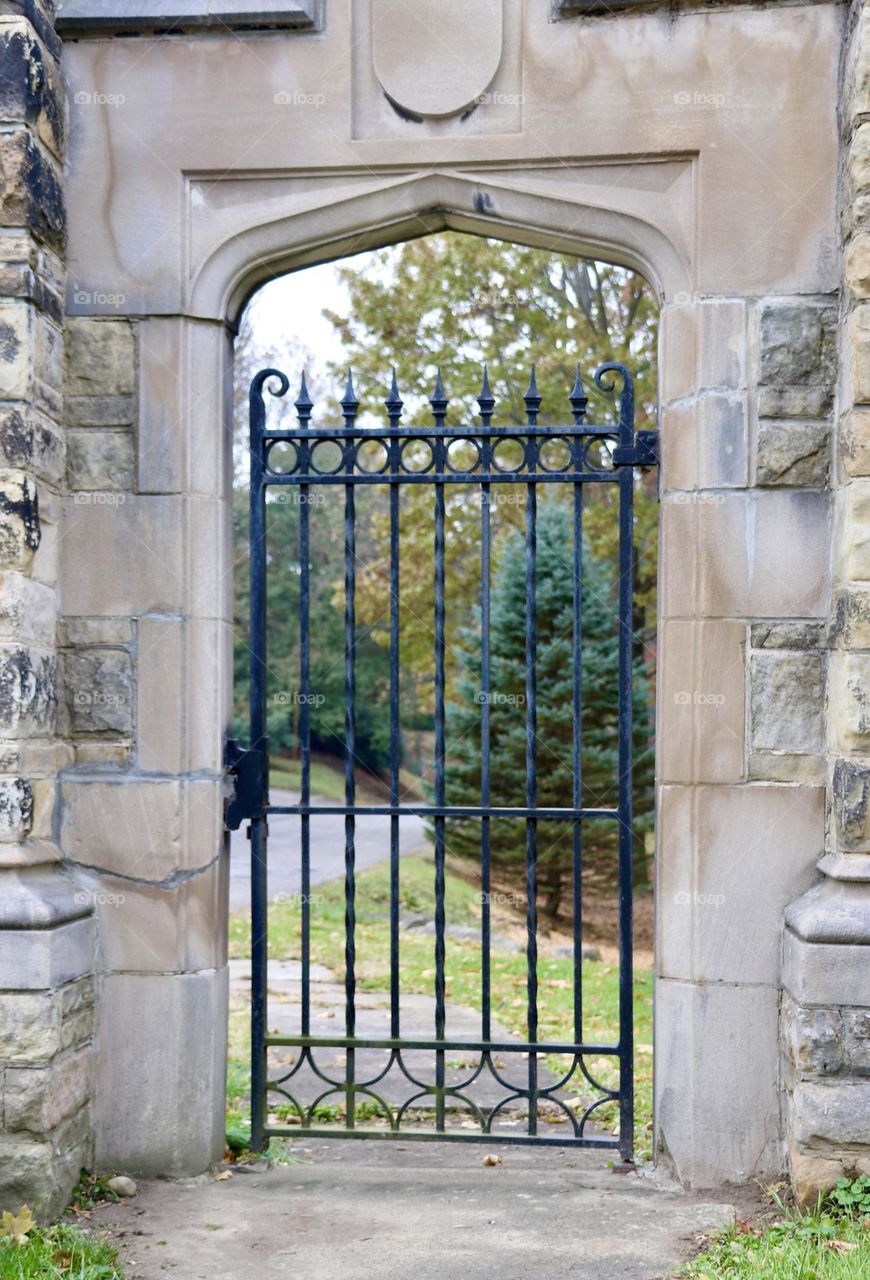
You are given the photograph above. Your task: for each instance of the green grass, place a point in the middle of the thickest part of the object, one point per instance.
(600, 980)
(62, 1252)
(822, 1245)
(327, 781)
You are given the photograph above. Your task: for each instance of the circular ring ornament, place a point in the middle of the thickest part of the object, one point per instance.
(327, 457)
(282, 458)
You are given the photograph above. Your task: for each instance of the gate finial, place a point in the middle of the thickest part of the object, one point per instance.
(349, 403)
(304, 403)
(439, 401)
(394, 402)
(486, 399)
(532, 399)
(579, 400)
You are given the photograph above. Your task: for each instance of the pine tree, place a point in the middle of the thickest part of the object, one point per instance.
(507, 701)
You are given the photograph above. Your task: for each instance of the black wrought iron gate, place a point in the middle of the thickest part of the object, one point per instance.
(311, 457)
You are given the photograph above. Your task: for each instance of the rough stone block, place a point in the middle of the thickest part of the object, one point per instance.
(859, 157)
(100, 411)
(16, 809)
(99, 690)
(856, 1041)
(782, 766)
(789, 635)
(787, 698)
(30, 89)
(798, 344)
(100, 357)
(850, 801)
(857, 265)
(160, 1105)
(850, 628)
(854, 443)
(20, 523)
(28, 1176)
(29, 1026)
(100, 460)
(91, 631)
(792, 453)
(856, 357)
(831, 1113)
(814, 1038)
(97, 751)
(32, 444)
(795, 402)
(853, 531)
(850, 700)
(37, 1099)
(28, 681)
(16, 350)
(27, 609)
(31, 191)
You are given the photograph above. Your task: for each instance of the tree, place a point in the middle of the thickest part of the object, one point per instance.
(507, 706)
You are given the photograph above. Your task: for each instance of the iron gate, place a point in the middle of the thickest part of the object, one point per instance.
(594, 454)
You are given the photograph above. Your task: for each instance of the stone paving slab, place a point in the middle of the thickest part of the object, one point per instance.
(360, 1210)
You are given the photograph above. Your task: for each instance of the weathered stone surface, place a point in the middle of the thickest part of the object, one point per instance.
(782, 766)
(27, 609)
(795, 402)
(100, 357)
(850, 699)
(20, 527)
(831, 1113)
(30, 90)
(703, 687)
(793, 453)
(787, 699)
(100, 460)
(813, 1038)
(857, 356)
(850, 628)
(31, 194)
(161, 688)
(16, 808)
(853, 531)
(89, 631)
(29, 1026)
(16, 350)
(37, 1099)
(857, 265)
(798, 344)
(28, 1176)
(28, 680)
(102, 540)
(99, 411)
(854, 443)
(99, 690)
(812, 1175)
(704, 443)
(850, 795)
(97, 751)
(788, 635)
(32, 444)
(856, 1041)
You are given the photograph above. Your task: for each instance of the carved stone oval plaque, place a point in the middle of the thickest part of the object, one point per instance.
(436, 58)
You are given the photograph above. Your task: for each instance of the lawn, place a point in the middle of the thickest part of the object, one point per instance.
(61, 1252)
(600, 980)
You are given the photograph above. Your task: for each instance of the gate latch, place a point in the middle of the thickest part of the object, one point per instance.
(643, 453)
(245, 767)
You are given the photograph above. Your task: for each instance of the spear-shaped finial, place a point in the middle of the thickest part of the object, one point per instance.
(532, 399)
(486, 400)
(304, 403)
(439, 401)
(579, 400)
(349, 402)
(394, 403)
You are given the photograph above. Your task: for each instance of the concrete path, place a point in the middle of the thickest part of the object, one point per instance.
(379, 1211)
(327, 849)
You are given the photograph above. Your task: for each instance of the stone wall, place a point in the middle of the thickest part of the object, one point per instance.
(825, 1013)
(46, 933)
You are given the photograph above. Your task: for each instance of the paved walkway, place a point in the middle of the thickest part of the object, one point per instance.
(327, 849)
(379, 1211)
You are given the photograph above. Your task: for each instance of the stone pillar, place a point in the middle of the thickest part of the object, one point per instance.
(825, 1010)
(46, 933)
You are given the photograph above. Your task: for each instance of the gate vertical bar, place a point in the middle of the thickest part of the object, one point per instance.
(260, 745)
(349, 406)
(532, 792)
(438, 401)
(486, 403)
(303, 411)
(394, 410)
(578, 407)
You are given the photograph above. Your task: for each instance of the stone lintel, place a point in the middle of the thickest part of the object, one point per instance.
(106, 16)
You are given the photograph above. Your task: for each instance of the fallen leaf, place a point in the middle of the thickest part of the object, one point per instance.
(17, 1225)
(223, 1175)
(840, 1246)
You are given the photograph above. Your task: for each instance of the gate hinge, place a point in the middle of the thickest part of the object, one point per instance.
(246, 768)
(643, 453)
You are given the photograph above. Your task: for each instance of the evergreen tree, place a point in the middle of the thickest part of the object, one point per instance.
(554, 667)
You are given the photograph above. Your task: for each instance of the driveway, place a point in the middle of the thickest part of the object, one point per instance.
(327, 849)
